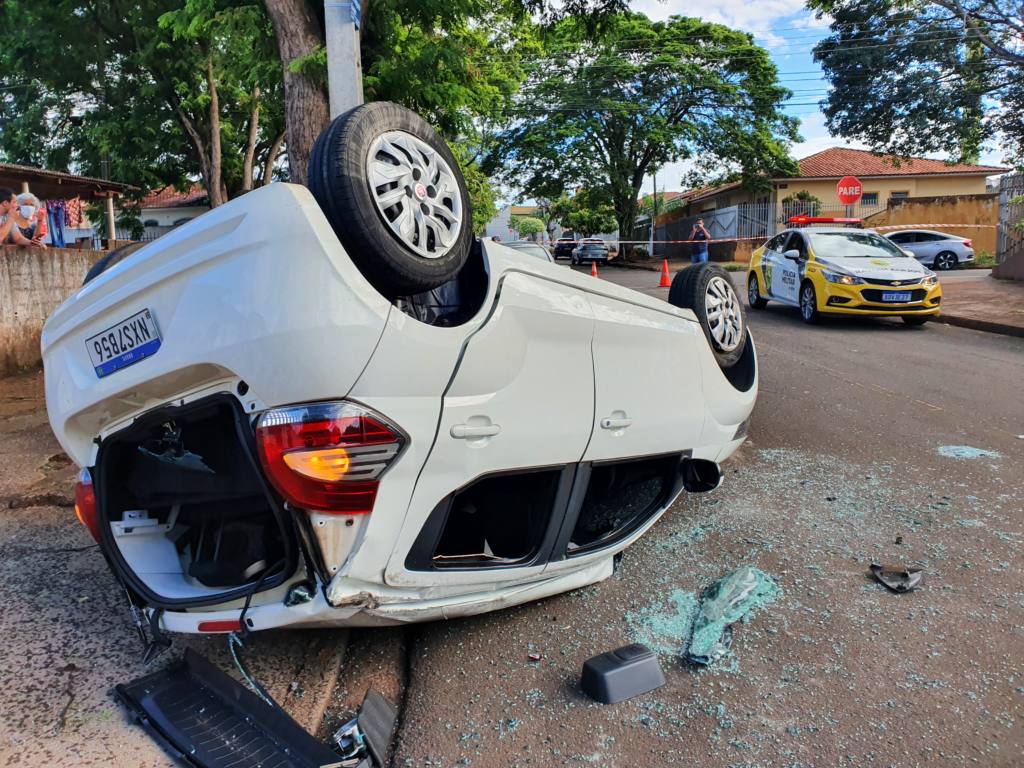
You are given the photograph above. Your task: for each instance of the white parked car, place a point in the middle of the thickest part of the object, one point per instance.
(935, 249)
(334, 406)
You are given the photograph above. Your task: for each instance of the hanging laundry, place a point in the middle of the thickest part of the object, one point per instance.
(56, 215)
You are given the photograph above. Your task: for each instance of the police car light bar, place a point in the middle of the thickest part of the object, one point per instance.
(799, 221)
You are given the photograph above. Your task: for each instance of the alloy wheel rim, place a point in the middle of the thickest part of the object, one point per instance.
(807, 302)
(416, 193)
(945, 262)
(724, 314)
(752, 291)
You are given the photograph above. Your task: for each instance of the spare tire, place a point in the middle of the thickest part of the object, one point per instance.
(395, 196)
(106, 262)
(707, 290)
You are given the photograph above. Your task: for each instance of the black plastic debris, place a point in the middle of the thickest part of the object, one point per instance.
(206, 719)
(896, 577)
(621, 674)
(369, 734)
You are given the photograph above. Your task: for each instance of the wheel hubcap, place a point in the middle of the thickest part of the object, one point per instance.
(416, 193)
(724, 314)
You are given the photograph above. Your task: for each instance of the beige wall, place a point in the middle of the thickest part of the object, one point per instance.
(981, 211)
(915, 186)
(825, 190)
(32, 283)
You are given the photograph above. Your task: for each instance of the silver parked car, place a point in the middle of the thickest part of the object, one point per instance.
(534, 249)
(935, 249)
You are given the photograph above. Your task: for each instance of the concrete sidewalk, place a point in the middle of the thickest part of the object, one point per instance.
(987, 304)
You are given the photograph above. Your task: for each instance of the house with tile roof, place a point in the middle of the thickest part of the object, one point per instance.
(885, 178)
(164, 209)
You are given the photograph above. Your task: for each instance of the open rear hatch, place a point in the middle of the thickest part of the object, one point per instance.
(185, 515)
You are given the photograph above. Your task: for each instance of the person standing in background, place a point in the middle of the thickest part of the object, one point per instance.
(33, 219)
(700, 236)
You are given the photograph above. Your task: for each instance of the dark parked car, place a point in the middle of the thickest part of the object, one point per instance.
(564, 247)
(590, 249)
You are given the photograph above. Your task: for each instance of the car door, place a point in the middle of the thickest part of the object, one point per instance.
(928, 246)
(770, 259)
(645, 366)
(786, 272)
(521, 400)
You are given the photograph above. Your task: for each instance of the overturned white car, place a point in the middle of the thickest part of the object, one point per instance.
(335, 406)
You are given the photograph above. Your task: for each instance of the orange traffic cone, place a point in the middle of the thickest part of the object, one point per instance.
(666, 279)
(593, 269)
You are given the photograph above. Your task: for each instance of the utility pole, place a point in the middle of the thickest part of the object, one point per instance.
(654, 211)
(342, 20)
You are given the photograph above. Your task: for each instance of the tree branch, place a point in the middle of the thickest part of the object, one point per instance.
(250, 145)
(268, 165)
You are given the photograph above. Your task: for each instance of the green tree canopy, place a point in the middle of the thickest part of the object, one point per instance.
(149, 92)
(588, 212)
(600, 112)
(917, 76)
(524, 226)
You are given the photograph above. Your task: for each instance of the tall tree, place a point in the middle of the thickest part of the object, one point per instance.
(429, 28)
(600, 112)
(917, 76)
(146, 91)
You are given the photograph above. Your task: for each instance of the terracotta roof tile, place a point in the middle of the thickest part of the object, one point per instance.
(840, 161)
(169, 197)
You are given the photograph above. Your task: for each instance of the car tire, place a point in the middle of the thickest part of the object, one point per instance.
(945, 260)
(703, 288)
(754, 299)
(112, 258)
(809, 303)
(915, 320)
(395, 197)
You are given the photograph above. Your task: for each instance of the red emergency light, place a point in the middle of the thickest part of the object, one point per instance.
(801, 221)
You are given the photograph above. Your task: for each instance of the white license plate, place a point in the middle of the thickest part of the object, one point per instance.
(896, 296)
(124, 343)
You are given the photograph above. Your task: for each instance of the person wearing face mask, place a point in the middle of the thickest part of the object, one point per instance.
(30, 220)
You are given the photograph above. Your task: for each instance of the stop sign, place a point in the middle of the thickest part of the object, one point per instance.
(849, 190)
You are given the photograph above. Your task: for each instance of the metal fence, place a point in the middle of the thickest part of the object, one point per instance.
(1009, 237)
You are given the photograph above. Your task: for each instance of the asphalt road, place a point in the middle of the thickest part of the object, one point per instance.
(845, 458)
(846, 453)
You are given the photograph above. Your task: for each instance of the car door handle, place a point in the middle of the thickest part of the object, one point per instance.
(615, 423)
(463, 431)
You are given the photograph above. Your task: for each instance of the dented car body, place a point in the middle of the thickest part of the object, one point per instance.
(266, 438)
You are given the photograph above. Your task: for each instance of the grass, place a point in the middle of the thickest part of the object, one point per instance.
(984, 260)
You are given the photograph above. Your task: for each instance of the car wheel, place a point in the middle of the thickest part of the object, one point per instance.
(395, 196)
(112, 258)
(707, 290)
(915, 319)
(808, 303)
(945, 260)
(754, 295)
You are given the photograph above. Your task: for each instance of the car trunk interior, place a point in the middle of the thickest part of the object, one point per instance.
(186, 510)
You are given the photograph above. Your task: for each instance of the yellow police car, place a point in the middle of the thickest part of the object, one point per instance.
(842, 271)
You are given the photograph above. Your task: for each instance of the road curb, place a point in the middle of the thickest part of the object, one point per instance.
(975, 324)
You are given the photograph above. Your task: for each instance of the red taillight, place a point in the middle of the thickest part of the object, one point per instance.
(221, 625)
(85, 504)
(327, 456)
(968, 243)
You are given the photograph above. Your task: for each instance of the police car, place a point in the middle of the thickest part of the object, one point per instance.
(841, 270)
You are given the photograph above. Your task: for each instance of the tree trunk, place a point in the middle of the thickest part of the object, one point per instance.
(250, 145)
(306, 108)
(268, 164)
(215, 187)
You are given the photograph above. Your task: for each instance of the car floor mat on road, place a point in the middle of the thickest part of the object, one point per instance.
(207, 720)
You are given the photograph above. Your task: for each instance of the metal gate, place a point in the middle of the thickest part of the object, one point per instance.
(1010, 235)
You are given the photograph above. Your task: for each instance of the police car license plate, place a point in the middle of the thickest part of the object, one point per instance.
(896, 296)
(124, 343)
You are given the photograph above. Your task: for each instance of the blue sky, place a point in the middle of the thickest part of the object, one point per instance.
(789, 31)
